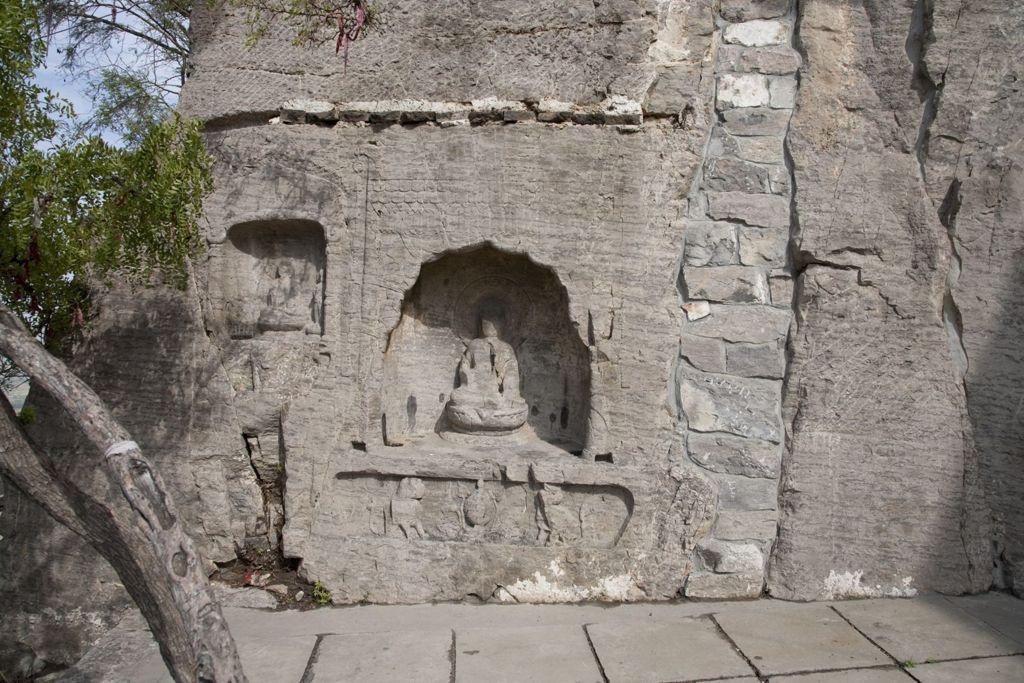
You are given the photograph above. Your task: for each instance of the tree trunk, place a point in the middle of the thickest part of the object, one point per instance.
(141, 535)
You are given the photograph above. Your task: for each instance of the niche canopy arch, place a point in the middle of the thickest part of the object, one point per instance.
(273, 278)
(485, 347)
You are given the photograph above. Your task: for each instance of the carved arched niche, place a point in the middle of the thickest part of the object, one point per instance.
(273, 278)
(441, 316)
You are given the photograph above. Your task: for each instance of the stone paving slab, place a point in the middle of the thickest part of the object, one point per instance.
(890, 674)
(1002, 612)
(123, 655)
(131, 656)
(989, 670)
(640, 642)
(687, 649)
(275, 660)
(422, 656)
(538, 654)
(930, 628)
(392, 618)
(782, 638)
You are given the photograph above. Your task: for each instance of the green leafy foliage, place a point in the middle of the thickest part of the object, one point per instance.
(321, 595)
(124, 102)
(75, 209)
(27, 111)
(27, 415)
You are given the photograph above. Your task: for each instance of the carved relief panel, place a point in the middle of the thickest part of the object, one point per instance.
(446, 509)
(272, 279)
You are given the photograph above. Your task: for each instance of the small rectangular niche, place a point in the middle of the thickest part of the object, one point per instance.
(271, 279)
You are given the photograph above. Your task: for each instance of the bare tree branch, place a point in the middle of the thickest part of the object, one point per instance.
(123, 28)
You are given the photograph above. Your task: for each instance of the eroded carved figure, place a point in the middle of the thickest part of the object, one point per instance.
(480, 507)
(558, 523)
(487, 399)
(291, 306)
(406, 507)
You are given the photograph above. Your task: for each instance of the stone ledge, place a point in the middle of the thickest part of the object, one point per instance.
(538, 461)
(614, 110)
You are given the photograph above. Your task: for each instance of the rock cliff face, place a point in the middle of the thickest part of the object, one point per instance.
(746, 272)
(899, 406)
(973, 166)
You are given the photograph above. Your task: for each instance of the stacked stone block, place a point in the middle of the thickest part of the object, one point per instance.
(738, 291)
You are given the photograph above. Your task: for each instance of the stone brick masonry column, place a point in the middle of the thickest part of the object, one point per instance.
(738, 294)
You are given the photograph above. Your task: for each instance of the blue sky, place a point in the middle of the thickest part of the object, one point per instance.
(55, 79)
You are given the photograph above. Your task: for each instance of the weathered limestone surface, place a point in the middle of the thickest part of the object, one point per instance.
(573, 51)
(352, 254)
(372, 386)
(974, 175)
(881, 489)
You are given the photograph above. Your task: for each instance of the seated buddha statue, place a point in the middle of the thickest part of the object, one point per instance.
(286, 309)
(487, 400)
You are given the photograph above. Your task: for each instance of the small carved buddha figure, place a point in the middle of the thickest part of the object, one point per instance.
(406, 507)
(286, 308)
(487, 399)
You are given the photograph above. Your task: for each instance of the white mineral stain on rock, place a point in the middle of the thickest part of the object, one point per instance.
(742, 90)
(850, 585)
(542, 589)
(757, 33)
(695, 310)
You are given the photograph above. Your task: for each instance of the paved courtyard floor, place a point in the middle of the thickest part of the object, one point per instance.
(931, 639)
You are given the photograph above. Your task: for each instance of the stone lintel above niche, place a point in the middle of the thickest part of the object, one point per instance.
(516, 462)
